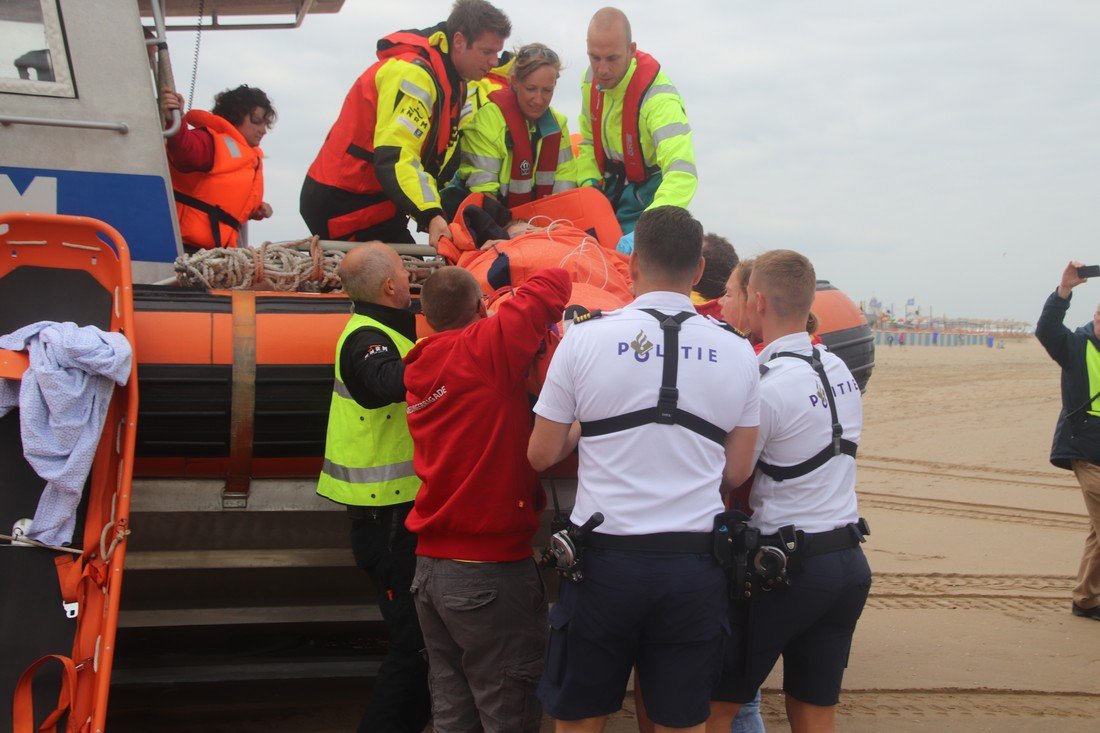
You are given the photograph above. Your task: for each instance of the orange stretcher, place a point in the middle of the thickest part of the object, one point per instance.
(60, 609)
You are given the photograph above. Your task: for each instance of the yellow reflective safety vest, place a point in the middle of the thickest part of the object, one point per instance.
(1092, 362)
(368, 453)
(660, 124)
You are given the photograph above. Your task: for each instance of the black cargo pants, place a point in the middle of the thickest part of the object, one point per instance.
(387, 552)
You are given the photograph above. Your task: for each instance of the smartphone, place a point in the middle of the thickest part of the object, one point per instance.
(1088, 271)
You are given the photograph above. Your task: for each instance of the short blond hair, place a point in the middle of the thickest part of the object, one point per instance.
(788, 281)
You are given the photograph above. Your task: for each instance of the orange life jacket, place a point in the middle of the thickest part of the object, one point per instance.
(520, 190)
(586, 208)
(212, 205)
(346, 160)
(644, 73)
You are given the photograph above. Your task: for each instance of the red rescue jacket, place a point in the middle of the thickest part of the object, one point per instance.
(346, 159)
(644, 73)
(524, 169)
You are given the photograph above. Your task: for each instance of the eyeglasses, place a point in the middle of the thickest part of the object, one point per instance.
(547, 53)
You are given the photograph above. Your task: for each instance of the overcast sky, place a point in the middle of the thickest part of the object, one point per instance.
(941, 150)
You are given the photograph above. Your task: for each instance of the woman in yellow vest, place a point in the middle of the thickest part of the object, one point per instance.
(217, 166)
(517, 147)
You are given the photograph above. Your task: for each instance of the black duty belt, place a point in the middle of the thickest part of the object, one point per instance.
(822, 543)
(697, 543)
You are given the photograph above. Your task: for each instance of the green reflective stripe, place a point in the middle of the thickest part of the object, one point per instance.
(561, 185)
(414, 91)
(370, 475)
(669, 131)
(231, 145)
(659, 89)
(341, 389)
(480, 179)
(426, 190)
(1092, 361)
(484, 162)
(683, 166)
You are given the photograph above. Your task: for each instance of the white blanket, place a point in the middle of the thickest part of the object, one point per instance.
(62, 400)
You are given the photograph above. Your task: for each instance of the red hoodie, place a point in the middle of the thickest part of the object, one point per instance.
(470, 420)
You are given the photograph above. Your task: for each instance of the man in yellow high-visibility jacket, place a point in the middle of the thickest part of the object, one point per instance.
(395, 137)
(368, 467)
(636, 140)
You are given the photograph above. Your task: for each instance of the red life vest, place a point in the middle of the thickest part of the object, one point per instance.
(523, 168)
(212, 205)
(346, 160)
(644, 73)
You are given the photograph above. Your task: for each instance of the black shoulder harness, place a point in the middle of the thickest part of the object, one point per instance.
(666, 412)
(838, 446)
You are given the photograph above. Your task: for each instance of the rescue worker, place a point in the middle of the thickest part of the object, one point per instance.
(636, 140)
(217, 166)
(478, 90)
(812, 578)
(396, 132)
(1077, 436)
(479, 595)
(667, 407)
(368, 467)
(517, 147)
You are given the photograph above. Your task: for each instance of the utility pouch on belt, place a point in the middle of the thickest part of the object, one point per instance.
(734, 542)
(791, 544)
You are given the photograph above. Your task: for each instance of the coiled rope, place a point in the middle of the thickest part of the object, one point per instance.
(291, 267)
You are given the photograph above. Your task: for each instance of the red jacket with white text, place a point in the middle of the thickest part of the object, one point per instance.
(470, 419)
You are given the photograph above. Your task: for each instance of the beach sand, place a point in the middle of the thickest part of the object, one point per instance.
(975, 544)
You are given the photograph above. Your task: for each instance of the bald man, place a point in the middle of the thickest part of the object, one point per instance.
(636, 140)
(368, 468)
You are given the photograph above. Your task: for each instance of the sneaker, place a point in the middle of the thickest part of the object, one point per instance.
(1086, 612)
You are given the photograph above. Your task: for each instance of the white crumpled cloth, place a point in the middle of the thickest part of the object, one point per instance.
(63, 399)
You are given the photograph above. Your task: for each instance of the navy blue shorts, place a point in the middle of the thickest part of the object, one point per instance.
(665, 612)
(809, 623)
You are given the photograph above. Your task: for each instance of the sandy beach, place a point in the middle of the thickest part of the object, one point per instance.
(975, 545)
(975, 548)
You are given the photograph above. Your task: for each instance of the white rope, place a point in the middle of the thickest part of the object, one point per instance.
(282, 267)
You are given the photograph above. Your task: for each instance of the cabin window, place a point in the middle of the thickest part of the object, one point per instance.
(33, 58)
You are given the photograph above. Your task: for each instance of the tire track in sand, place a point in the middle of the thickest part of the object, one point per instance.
(1021, 597)
(972, 510)
(955, 703)
(985, 474)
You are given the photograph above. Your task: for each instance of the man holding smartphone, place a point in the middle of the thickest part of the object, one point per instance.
(1077, 435)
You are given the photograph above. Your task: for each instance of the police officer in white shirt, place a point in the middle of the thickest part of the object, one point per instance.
(811, 577)
(667, 404)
